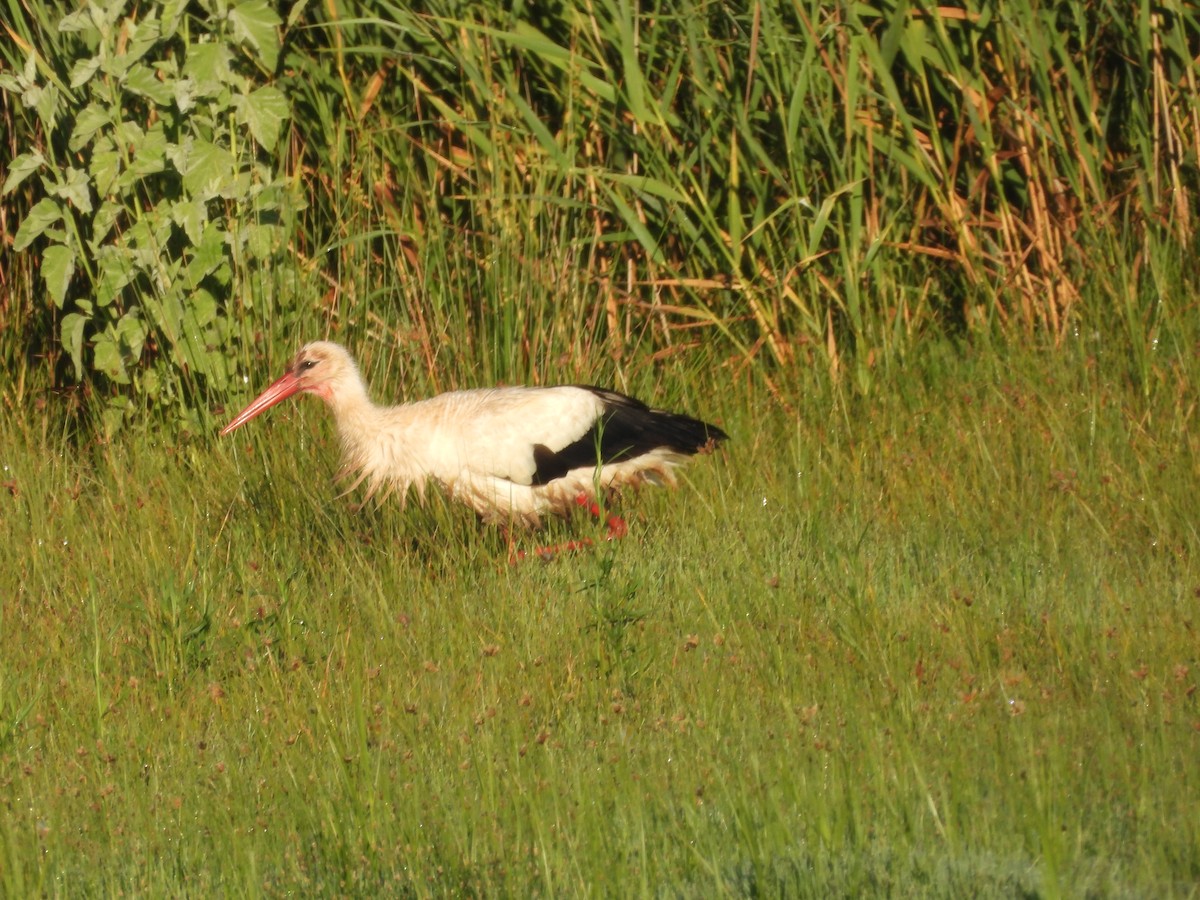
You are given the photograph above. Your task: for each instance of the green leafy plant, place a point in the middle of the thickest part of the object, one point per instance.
(158, 197)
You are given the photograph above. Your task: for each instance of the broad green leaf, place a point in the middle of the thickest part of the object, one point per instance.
(102, 223)
(172, 12)
(167, 315)
(76, 189)
(201, 310)
(208, 66)
(83, 71)
(78, 21)
(177, 154)
(185, 93)
(21, 168)
(151, 155)
(116, 271)
(216, 366)
(238, 187)
(43, 214)
(207, 170)
(256, 23)
(131, 331)
(140, 36)
(264, 112)
(45, 101)
(107, 357)
(274, 197)
(211, 253)
(58, 265)
(105, 166)
(106, 13)
(143, 80)
(71, 335)
(129, 134)
(87, 123)
(150, 158)
(146, 241)
(261, 240)
(115, 66)
(190, 215)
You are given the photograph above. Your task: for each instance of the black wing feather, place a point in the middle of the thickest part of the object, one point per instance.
(626, 429)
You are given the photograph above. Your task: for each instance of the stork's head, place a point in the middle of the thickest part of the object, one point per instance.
(320, 368)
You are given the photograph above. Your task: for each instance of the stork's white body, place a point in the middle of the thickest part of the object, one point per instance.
(512, 454)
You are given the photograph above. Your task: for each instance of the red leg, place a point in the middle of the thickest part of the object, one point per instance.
(616, 528)
(546, 554)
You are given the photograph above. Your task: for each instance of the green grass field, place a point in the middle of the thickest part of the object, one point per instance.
(925, 626)
(936, 640)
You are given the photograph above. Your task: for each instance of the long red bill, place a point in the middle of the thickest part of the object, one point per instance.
(280, 389)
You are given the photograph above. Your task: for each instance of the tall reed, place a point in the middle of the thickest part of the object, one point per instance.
(527, 189)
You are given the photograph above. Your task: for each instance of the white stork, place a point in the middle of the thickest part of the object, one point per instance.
(513, 454)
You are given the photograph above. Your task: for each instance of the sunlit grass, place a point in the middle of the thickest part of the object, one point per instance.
(939, 640)
(925, 626)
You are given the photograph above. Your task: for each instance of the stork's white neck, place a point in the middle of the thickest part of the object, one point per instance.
(356, 416)
(347, 397)
(377, 443)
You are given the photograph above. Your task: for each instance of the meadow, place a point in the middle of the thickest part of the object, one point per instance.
(926, 625)
(938, 642)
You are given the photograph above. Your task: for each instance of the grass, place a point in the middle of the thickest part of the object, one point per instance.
(938, 640)
(925, 626)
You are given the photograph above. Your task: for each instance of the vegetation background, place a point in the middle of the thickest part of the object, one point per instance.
(927, 627)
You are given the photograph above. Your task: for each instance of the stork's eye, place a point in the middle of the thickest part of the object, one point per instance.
(307, 364)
